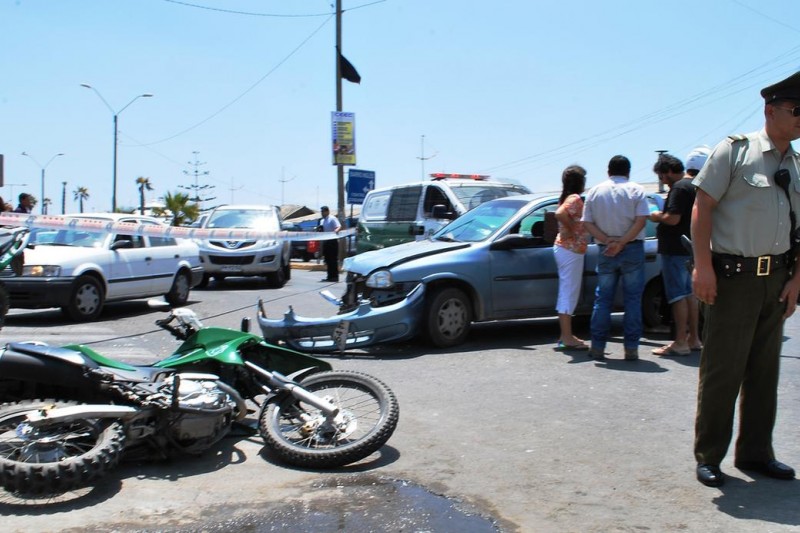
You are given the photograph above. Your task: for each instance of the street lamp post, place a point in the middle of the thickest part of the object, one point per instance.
(43, 167)
(116, 134)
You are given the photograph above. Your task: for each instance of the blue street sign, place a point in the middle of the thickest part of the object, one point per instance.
(359, 183)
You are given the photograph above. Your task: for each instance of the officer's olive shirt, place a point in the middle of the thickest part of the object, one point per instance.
(752, 215)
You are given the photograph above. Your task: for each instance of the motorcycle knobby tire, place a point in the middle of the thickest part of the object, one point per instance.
(371, 426)
(69, 456)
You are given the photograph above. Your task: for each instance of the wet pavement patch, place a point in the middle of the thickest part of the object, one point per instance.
(353, 504)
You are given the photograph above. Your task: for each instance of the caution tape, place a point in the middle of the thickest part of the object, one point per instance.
(97, 225)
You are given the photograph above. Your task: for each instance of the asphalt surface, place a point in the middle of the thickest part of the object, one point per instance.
(501, 434)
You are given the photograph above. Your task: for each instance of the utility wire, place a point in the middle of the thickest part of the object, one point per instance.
(276, 15)
(738, 84)
(253, 86)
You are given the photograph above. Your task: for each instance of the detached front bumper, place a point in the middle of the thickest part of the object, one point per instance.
(364, 326)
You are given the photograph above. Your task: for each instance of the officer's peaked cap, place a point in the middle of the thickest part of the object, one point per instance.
(788, 89)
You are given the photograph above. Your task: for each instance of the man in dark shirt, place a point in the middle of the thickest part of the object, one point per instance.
(674, 222)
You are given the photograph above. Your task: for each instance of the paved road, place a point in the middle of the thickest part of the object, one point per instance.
(502, 433)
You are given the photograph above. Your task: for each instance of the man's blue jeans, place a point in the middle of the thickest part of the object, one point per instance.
(628, 266)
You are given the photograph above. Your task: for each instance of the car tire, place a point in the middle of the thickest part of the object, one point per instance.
(287, 270)
(448, 317)
(203, 282)
(178, 294)
(277, 279)
(655, 309)
(86, 299)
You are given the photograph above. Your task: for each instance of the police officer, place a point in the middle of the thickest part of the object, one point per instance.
(741, 225)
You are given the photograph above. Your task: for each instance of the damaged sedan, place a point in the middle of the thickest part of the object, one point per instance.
(493, 263)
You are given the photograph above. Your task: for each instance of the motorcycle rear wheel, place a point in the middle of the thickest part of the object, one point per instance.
(299, 435)
(55, 458)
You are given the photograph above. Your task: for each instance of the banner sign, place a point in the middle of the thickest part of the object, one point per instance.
(343, 126)
(96, 225)
(359, 183)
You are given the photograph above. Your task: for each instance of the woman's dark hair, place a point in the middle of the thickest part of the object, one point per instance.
(573, 181)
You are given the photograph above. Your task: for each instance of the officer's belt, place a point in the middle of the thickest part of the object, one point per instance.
(731, 265)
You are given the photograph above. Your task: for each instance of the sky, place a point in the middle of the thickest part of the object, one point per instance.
(243, 90)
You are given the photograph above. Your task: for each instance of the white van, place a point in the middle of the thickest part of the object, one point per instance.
(403, 213)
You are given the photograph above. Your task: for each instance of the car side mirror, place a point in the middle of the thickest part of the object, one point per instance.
(440, 211)
(513, 241)
(416, 230)
(117, 245)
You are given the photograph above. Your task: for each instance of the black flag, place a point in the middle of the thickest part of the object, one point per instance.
(347, 70)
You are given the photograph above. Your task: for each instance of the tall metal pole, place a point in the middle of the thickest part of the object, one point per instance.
(339, 167)
(114, 174)
(42, 167)
(63, 197)
(116, 135)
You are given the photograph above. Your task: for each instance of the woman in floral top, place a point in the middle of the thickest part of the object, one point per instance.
(569, 250)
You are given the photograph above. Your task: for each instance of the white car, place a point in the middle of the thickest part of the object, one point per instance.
(80, 271)
(269, 257)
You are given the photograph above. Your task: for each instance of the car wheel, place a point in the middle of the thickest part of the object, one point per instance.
(448, 317)
(203, 282)
(86, 300)
(179, 293)
(219, 278)
(287, 270)
(277, 279)
(655, 309)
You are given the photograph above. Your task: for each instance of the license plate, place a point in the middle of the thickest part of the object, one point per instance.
(231, 268)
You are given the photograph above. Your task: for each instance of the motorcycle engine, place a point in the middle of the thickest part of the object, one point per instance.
(197, 431)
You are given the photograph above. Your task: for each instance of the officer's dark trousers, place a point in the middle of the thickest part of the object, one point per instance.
(741, 350)
(330, 253)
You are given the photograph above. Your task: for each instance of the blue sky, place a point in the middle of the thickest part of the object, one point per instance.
(514, 89)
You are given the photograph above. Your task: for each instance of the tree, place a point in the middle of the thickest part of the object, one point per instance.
(144, 185)
(178, 207)
(45, 205)
(79, 195)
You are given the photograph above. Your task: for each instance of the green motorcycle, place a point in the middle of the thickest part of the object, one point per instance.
(98, 408)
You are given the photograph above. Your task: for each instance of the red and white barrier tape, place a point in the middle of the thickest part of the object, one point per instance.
(96, 225)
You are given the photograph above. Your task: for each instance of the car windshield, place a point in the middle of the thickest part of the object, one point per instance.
(471, 196)
(243, 218)
(80, 238)
(480, 223)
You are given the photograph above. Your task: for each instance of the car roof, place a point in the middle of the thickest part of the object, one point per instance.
(453, 182)
(253, 207)
(114, 216)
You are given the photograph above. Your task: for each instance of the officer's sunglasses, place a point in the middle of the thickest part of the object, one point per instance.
(795, 111)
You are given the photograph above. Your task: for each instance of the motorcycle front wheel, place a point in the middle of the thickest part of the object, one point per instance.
(300, 435)
(57, 457)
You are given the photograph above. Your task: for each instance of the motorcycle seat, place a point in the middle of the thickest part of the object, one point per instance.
(46, 351)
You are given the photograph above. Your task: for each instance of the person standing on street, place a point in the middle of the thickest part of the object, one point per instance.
(569, 250)
(615, 215)
(673, 224)
(25, 203)
(742, 226)
(330, 247)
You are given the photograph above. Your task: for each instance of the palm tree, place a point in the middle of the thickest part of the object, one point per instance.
(45, 204)
(178, 207)
(80, 194)
(144, 185)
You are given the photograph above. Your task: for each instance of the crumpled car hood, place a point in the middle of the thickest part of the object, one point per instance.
(388, 257)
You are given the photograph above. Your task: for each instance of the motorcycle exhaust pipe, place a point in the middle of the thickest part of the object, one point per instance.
(281, 382)
(80, 412)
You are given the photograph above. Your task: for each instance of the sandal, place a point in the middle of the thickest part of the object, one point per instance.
(561, 347)
(669, 351)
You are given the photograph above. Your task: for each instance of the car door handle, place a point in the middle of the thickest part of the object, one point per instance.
(148, 258)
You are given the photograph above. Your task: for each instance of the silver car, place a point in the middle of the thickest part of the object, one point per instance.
(492, 263)
(268, 257)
